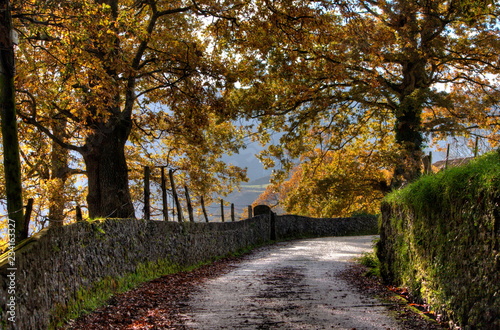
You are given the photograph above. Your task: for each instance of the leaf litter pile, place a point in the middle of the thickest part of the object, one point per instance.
(396, 299)
(161, 303)
(153, 305)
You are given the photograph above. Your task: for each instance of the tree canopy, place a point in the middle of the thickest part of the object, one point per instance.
(334, 74)
(355, 88)
(105, 79)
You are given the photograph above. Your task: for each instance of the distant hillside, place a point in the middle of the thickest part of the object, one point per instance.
(249, 193)
(261, 181)
(440, 165)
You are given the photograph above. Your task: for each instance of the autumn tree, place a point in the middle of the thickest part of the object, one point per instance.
(96, 72)
(426, 66)
(336, 183)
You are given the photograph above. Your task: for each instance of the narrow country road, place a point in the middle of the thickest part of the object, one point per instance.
(290, 285)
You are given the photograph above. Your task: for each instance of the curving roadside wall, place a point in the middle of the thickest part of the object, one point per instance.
(59, 262)
(440, 238)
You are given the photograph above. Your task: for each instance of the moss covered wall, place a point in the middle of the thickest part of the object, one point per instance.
(63, 268)
(440, 237)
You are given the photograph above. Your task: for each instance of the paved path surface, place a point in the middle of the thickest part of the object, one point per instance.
(292, 285)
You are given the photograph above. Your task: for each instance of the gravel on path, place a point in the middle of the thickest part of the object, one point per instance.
(291, 285)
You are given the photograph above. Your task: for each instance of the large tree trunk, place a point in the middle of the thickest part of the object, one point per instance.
(12, 162)
(408, 126)
(107, 173)
(408, 129)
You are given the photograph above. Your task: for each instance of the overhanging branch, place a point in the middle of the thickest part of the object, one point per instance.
(46, 131)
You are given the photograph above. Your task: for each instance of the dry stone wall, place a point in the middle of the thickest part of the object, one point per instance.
(59, 262)
(295, 226)
(440, 238)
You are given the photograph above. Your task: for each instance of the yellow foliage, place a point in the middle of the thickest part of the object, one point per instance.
(416, 69)
(85, 68)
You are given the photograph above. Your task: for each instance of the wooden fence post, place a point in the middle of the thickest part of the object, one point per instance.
(203, 208)
(189, 206)
(222, 209)
(78, 212)
(174, 214)
(427, 163)
(164, 194)
(250, 215)
(430, 162)
(447, 157)
(174, 193)
(232, 212)
(27, 217)
(147, 207)
(476, 147)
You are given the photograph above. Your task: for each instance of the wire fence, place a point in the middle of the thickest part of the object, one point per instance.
(178, 204)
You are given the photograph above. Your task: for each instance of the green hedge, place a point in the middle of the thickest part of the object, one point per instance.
(440, 237)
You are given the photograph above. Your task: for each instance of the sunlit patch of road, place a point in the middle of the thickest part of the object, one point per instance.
(290, 285)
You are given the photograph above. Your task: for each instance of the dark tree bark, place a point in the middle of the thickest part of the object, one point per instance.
(12, 162)
(107, 172)
(408, 129)
(413, 93)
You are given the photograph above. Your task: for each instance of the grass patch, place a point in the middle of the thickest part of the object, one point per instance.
(370, 260)
(435, 191)
(88, 299)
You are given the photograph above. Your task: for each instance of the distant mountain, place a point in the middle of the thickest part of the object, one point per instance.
(246, 158)
(261, 181)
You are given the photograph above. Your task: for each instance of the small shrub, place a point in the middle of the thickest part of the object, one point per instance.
(370, 260)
